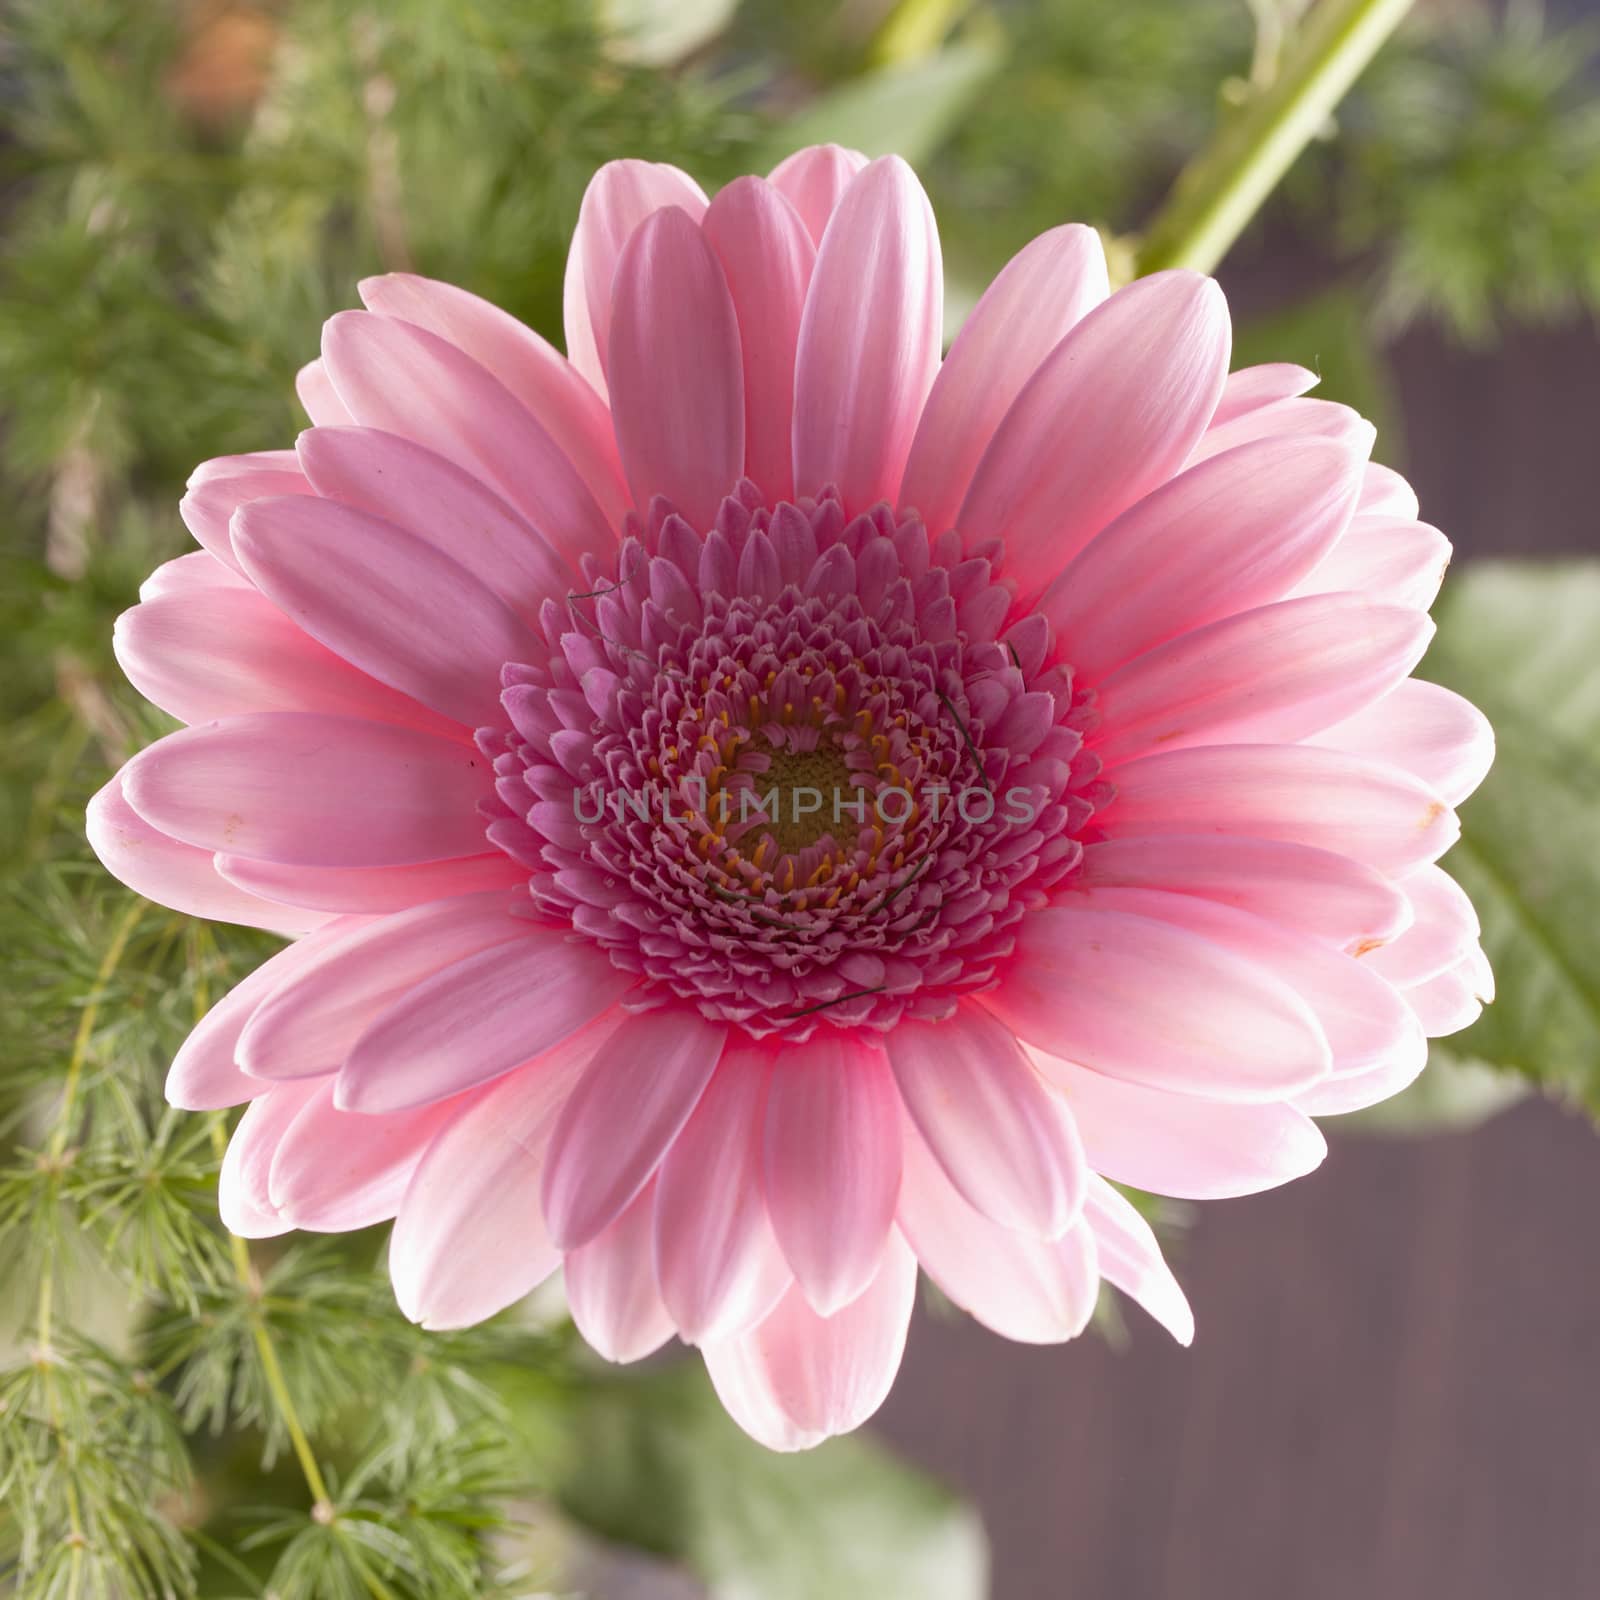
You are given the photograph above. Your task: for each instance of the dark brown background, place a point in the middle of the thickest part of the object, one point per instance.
(1394, 1393)
(1391, 1396)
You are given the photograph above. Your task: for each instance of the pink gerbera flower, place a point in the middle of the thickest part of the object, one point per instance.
(511, 688)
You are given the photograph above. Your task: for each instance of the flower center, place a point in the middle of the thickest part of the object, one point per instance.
(791, 769)
(809, 795)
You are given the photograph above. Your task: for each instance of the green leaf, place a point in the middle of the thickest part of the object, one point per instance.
(907, 109)
(1520, 642)
(657, 1464)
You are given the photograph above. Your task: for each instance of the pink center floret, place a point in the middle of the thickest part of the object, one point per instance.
(795, 769)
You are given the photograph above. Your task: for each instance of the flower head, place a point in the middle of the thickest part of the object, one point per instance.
(766, 807)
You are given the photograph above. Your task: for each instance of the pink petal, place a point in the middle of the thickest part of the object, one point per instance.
(1033, 1290)
(799, 1378)
(1355, 1091)
(218, 488)
(767, 258)
(714, 1250)
(436, 501)
(386, 602)
(869, 338)
(622, 1118)
(1143, 1000)
(1182, 1145)
(197, 573)
(1220, 538)
(1004, 1138)
(1327, 896)
(1282, 419)
(1250, 388)
(1400, 562)
(318, 396)
(470, 1238)
(1040, 295)
(312, 790)
(814, 180)
(832, 1163)
(1445, 930)
(478, 1018)
(1272, 675)
(309, 1025)
(1298, 793)
(204, 1076)
(611, 1286)
(619, 197)
(175, 874)
(1111, 414)
(405, 380)
(333, 1172)
(1447, 1003)
(1426, 730)
(676, 373)
(1130, 1258)
(553, 390)
(1479, 973)
(1364, 1020)
(243, 1200)
(226, 651)
(371, 890)
(1385, 493)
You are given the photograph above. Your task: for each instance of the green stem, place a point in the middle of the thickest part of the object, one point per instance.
(272, 1370)
(55, 1155)
(1222, 189)
(323, 1507)
(52, 1398)
(91, 1011)
(271, 1367)
(244, 1271)
(912, 30)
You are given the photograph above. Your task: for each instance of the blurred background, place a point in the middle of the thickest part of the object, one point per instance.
(1391, 1393)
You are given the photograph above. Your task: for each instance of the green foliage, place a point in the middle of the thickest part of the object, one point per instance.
(1465, 178)
(658, 1464)
(111, 985)
(1475, 168)
(158, 270)
(93, 1470)
(342, 1349)
(1098, 104)
(412, 1518)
